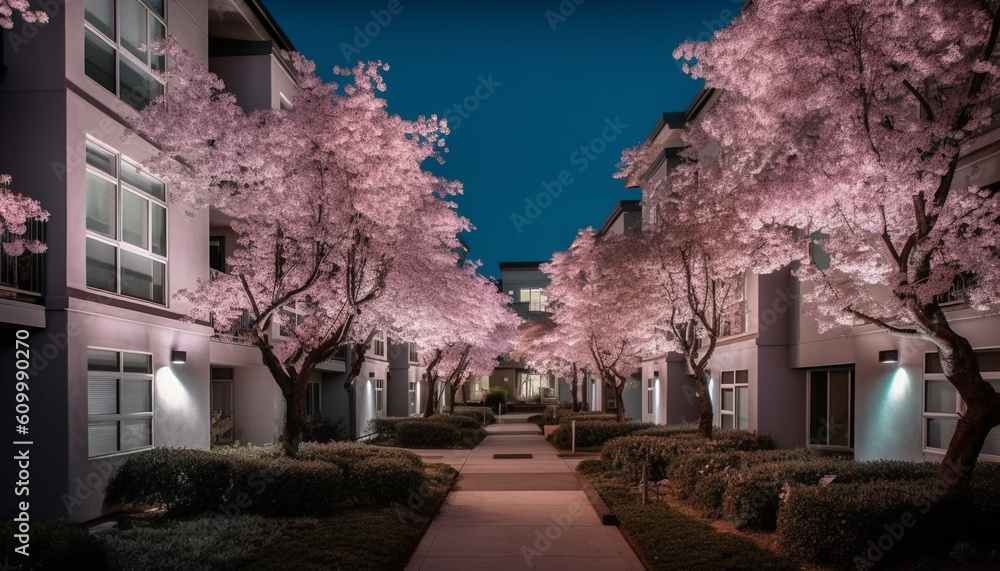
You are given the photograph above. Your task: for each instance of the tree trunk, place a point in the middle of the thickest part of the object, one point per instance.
(705, 412)
(431, 396)
(619, 388)
(451, 402)
(295, 417)
(585, 405)
(982, 413)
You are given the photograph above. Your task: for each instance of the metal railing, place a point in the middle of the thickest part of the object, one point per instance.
(23, 277)
(958, 291)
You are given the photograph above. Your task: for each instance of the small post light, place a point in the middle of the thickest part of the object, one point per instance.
(178, 357)
(891, 356)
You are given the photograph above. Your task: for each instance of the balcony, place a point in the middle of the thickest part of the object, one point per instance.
(241, 332)
(22, 277)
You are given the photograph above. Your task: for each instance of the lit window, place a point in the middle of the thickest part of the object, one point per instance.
(116, 52)
(126, 228)
(831, 408)
(379, 395)
(119, 401)
(943, 404)
(650, 391)
(412, 394)
(733, 413)
(535, 298)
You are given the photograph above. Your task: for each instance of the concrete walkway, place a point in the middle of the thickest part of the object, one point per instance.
(517, 513)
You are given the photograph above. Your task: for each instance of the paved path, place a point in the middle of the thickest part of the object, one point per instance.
(517, 513)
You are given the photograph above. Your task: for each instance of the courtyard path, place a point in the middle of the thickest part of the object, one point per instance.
(517, 505)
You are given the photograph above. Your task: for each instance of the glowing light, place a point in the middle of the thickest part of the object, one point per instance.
(899, 385)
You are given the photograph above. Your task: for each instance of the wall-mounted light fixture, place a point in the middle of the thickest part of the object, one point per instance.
(371, 374)
(178, 356)
(891, 356)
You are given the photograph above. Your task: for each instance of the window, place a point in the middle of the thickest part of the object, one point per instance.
(313, 406)
(379, 395)
(650, 392)
(119, 401)
(535, 298)
(412, 396)
(289, 318)
(959, 290)
(734, 315)
(379, 346)
(831, 408)
(413, 353)
(116, 47)
(126, 227)
(610, 402)
(735, 400)
(943, 404)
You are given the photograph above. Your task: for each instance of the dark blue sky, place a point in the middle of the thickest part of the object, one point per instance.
(551, 76)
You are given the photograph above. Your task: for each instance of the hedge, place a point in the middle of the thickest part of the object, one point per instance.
(425, 433)
(629, 453)
(477, 412)
(385, 428)
(192, 481)
(382, 481)
(858, 524)
(752, 499)
(670, 430)
(52, 546)
(459, 422)
(592, 432)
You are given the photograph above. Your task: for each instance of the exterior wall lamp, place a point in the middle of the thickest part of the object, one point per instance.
(891, 356)
(178, 357)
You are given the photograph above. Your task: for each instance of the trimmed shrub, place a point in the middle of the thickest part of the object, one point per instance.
(267, 451)
(192, 481)
(382, 480)
(427, 434)
(669, 430)
(459, 422)
(839, 524)
(53, 546)
(752, 499)
(688, 468)
(591, 466)
(321, 429)
(181, 480)
(288, 487)
(385, 428)
(592, 432)
(477, 413)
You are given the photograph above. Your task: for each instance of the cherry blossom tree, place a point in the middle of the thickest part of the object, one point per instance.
(687, 272)
(22, 7)
(474, 326)
(594, 317)
(328, 200)
(847, 119)
(15, 212)
(541, 345)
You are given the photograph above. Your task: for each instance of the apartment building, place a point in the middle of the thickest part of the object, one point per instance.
(854, 389)
(115, 367)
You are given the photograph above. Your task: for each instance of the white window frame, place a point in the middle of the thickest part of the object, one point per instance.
(379, 396)
(117, 242)
(733, 386)
(413, 356)
(119, 417)
(122, 52)
(992, 377)
(651, 393)
(378, 346)
(850, 418)
(736, 308)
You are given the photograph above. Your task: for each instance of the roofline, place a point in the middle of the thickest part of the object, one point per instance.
(262, 13)
(521, 265)
(631, 205)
